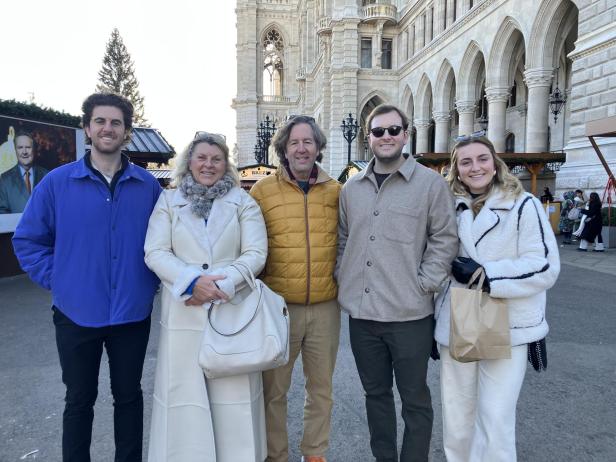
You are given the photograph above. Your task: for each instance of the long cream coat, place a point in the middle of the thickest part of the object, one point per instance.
(195, 419)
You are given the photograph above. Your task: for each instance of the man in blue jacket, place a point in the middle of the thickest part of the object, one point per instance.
(81, 236)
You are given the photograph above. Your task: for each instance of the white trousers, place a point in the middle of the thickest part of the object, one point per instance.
(479, 401)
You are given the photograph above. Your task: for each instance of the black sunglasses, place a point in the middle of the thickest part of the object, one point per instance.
(473, 136)
(394, 130)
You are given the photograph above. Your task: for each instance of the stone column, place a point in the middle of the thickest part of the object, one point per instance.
(439, 16)
(538, 82)
(466, 116)
(497, 110)
(429, 32)
(441, 131)
(419, 33)
(422, 127)
(376, 46)
(450, 12)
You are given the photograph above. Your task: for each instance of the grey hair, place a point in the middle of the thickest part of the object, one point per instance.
(182, 160)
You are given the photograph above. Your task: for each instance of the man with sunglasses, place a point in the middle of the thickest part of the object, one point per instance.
(81, 236)
(300, 207)
(396, 240)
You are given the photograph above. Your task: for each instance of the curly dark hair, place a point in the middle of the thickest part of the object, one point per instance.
(107, 99)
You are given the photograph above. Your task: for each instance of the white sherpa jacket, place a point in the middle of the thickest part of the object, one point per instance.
(513, 240)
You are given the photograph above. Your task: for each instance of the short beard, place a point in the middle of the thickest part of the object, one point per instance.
(389, 160)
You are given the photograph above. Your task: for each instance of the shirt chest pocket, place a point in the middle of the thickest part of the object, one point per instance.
(401, 224)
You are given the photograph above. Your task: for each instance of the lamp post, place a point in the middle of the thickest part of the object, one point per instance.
(349, 129)
(259, 154)
(265, 132)
(557, 99)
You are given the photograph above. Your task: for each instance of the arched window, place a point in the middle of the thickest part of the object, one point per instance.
(431, 136)
(510, 143)
(272, 63)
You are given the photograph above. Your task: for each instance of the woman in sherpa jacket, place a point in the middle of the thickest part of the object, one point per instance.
(506, 231)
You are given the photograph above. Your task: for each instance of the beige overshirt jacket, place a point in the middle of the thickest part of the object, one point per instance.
(395, 244)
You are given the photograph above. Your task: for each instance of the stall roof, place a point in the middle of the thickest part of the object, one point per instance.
(149, 145)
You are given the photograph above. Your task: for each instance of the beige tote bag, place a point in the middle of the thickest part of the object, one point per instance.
(479, 326)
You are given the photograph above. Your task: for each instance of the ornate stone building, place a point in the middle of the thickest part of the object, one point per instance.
(452, 65)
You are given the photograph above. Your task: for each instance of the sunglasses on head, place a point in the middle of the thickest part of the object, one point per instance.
(304, 117)
(394, 130)
(204, 136)
(473, 136)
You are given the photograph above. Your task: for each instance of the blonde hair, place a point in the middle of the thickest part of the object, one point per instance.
(503, 179)
(182, 160)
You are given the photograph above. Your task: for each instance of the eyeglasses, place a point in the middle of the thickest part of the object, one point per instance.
(394, 130)
(203, 136)
(473, 136)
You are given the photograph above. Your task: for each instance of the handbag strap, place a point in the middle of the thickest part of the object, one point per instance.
(249, 276)
(246, 273)
(479, 273)
(241, 329)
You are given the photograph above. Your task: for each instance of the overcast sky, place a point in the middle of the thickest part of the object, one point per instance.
(183, 50)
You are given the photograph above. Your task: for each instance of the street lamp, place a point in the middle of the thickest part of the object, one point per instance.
(349, 131)
(259, 154)
(557, 100)
(265, 132)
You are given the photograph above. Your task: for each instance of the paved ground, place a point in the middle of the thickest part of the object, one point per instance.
(564, 414)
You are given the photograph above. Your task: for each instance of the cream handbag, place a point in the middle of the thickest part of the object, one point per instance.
(249, 333)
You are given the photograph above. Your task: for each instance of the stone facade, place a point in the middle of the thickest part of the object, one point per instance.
(447, 63)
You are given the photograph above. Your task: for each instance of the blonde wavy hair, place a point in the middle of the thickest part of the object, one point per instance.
(182, 160)
(503, 179)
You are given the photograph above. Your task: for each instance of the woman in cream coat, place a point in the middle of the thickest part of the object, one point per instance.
(196, 232)
(506, 231)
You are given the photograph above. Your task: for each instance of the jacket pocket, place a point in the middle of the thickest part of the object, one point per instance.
(401, 224)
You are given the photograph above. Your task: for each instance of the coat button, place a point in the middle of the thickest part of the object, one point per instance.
(367, 290)
(205, 266)
(372, 238)
(369, 263)
(376, 213)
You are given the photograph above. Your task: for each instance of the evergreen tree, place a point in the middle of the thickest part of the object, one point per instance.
(118, 75)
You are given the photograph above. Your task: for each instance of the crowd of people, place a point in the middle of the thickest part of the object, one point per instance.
(386, 248)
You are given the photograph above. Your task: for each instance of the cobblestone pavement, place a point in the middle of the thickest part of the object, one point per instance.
(564, 414)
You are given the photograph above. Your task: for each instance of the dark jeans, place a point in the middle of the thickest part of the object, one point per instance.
(80, 350)
(382, 349)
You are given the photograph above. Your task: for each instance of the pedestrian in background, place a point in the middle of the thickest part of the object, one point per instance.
(396, 240)
(506, 231)
(81, 236)
(566, 221)
(591, 232)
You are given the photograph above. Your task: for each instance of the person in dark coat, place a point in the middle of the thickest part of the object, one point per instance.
(594, 223)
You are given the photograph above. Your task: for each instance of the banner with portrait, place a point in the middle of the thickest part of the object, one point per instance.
(29, 150)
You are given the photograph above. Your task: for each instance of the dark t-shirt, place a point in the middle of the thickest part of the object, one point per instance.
(380, 177)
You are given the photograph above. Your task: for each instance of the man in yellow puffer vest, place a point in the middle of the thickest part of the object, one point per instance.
(300, 207)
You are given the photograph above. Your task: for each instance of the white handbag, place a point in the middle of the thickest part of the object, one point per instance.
(249, 333)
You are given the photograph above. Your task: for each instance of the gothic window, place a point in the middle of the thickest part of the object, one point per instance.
(470, 5)
(386, 51)
(366, 52)
(273, 47)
